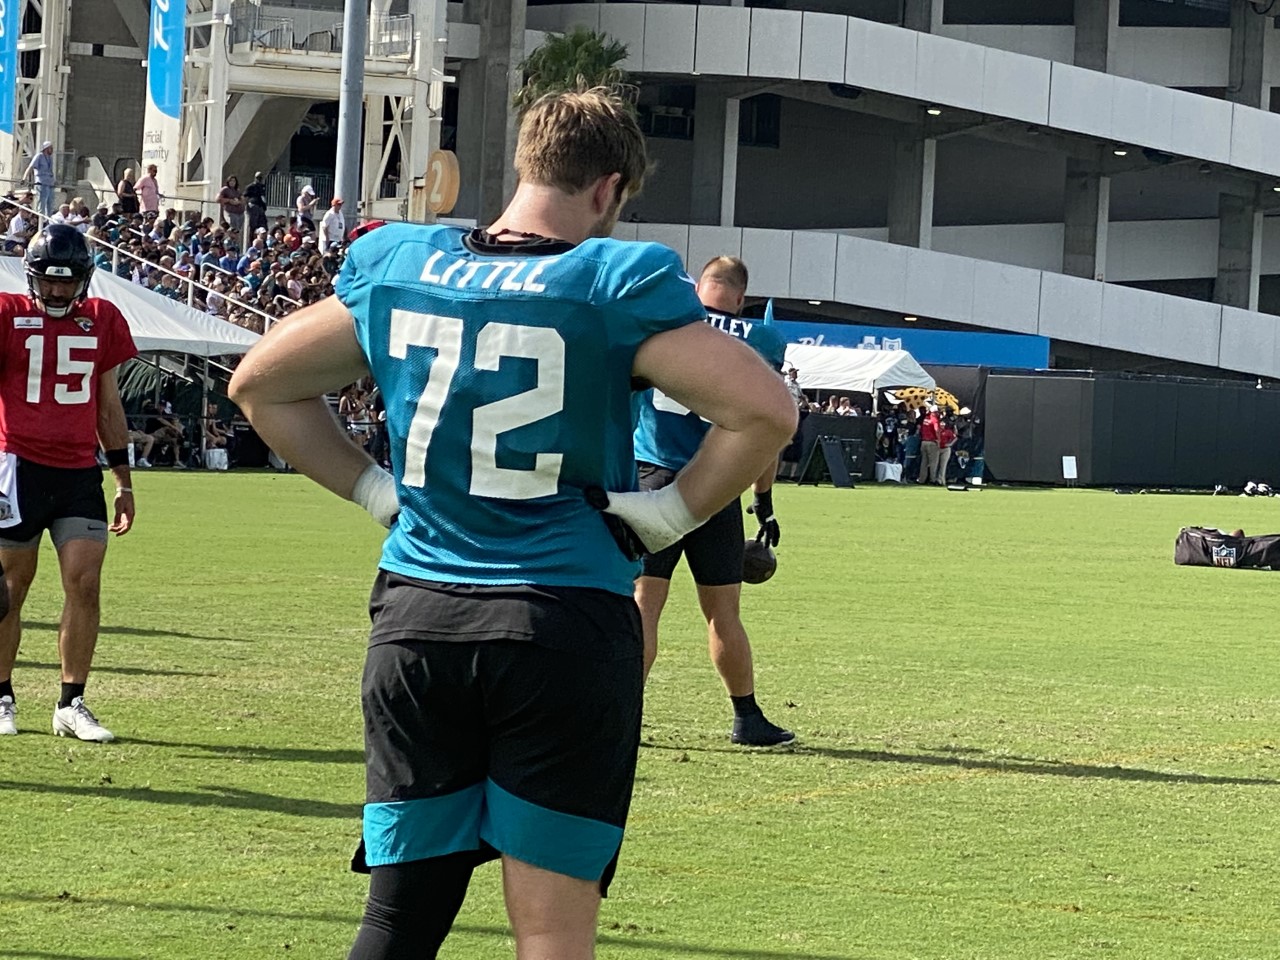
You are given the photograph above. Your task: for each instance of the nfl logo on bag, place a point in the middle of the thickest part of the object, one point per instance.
(1224, 556)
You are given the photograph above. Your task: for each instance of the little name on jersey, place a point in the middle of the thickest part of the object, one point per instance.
(464, 273)
(731, 325)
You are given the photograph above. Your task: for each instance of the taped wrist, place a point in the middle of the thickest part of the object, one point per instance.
(375, 491)
(659, 518)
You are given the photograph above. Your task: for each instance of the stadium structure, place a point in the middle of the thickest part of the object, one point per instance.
(1097, 172)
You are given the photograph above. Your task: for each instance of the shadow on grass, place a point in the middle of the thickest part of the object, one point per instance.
(228, 797)
(638, 942)
(221, 910)
(119, 671)
(1025, 765)
(136, 632)
(672, 948)
(242, 752)
(41, 955)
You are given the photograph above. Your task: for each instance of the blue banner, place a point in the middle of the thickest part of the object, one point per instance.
(943, 347)
(9, 10)
(164, 55)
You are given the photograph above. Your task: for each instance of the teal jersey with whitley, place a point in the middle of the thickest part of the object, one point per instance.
(668, 434)
(506, 375)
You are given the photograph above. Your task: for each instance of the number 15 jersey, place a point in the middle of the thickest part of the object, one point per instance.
(506, 376)
(49, 377)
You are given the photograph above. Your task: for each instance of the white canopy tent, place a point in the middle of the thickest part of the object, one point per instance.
(157, 323)
(861, 371)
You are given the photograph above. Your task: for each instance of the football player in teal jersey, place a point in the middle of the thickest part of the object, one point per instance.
(667, 437)
(504, 675)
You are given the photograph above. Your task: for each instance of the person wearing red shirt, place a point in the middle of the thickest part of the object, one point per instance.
(59, 351)
(929, 446)
(946, 440)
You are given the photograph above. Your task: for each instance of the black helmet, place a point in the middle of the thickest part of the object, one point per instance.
(59, 252)
(759, 562)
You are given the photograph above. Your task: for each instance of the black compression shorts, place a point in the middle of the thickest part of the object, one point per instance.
(714, 550)
(65, 500)
(510, 723)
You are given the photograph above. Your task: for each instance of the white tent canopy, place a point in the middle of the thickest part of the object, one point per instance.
(157, 323)
(861, 371)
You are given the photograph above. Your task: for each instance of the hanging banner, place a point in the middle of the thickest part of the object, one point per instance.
(949, 347)
(163, 123)
(9, 31)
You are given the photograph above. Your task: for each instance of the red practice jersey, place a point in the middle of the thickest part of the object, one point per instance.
(49, 370)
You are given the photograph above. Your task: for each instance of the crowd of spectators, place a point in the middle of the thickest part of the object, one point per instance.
(238, 266)
(903, 436)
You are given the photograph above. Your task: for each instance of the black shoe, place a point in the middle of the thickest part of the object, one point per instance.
(756, 731)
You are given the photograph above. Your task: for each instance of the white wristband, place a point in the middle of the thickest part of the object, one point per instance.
(659, 518)
(375, 491)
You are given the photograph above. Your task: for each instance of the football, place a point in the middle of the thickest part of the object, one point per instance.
(759, 562)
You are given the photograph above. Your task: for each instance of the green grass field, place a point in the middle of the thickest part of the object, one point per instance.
(1024, 733)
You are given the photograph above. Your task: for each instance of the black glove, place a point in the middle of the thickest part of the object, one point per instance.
(762, 507)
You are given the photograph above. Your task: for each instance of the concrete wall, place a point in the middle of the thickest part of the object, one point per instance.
(802, 183)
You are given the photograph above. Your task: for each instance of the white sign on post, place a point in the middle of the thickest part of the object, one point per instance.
(1069, 471)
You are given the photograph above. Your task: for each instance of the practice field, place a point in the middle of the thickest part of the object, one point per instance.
(1023, 734)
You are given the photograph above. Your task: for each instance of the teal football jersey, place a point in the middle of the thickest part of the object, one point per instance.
(507, 383)
(668, 434)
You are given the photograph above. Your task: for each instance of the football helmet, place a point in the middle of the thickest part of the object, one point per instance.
(59, 252)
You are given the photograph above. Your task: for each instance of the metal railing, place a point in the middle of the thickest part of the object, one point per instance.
(314, 31)
(388, 36)
(189, 282)
(249, 25)
(283, 189)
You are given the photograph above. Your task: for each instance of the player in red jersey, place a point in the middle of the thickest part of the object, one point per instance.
(58, 401)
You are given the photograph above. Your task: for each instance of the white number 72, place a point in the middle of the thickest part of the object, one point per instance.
(495, 341)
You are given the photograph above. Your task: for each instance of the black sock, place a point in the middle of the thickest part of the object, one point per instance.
(745, 706)
(69, 692)
(6, 689)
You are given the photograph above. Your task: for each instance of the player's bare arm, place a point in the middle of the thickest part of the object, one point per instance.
(724, 381)
(280, 386)
(113, 434)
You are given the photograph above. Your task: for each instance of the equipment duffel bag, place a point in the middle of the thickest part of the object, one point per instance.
(1206, 547)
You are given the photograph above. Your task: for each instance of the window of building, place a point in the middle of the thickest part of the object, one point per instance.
(1175, 13)
(1042, 13)
(760, 121)
(666, 110)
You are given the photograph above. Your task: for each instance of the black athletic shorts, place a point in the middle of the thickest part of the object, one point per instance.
(67, 501)
(500, 720)
(714, 550)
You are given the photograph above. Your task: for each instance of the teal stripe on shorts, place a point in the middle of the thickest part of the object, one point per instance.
(560, 842)
(408, 830)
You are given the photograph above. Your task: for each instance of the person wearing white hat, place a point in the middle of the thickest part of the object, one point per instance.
(306, 207)
(40, 170)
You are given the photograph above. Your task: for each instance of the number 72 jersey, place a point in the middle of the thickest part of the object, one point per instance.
(507, 385)
(49, 371)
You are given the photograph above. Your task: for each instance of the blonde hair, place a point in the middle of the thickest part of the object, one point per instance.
(730, 271)
(569, 140)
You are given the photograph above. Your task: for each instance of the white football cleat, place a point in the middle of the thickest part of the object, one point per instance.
(78, 721)
(8, 717)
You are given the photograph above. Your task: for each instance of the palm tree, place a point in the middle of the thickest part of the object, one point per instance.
(578, 60)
